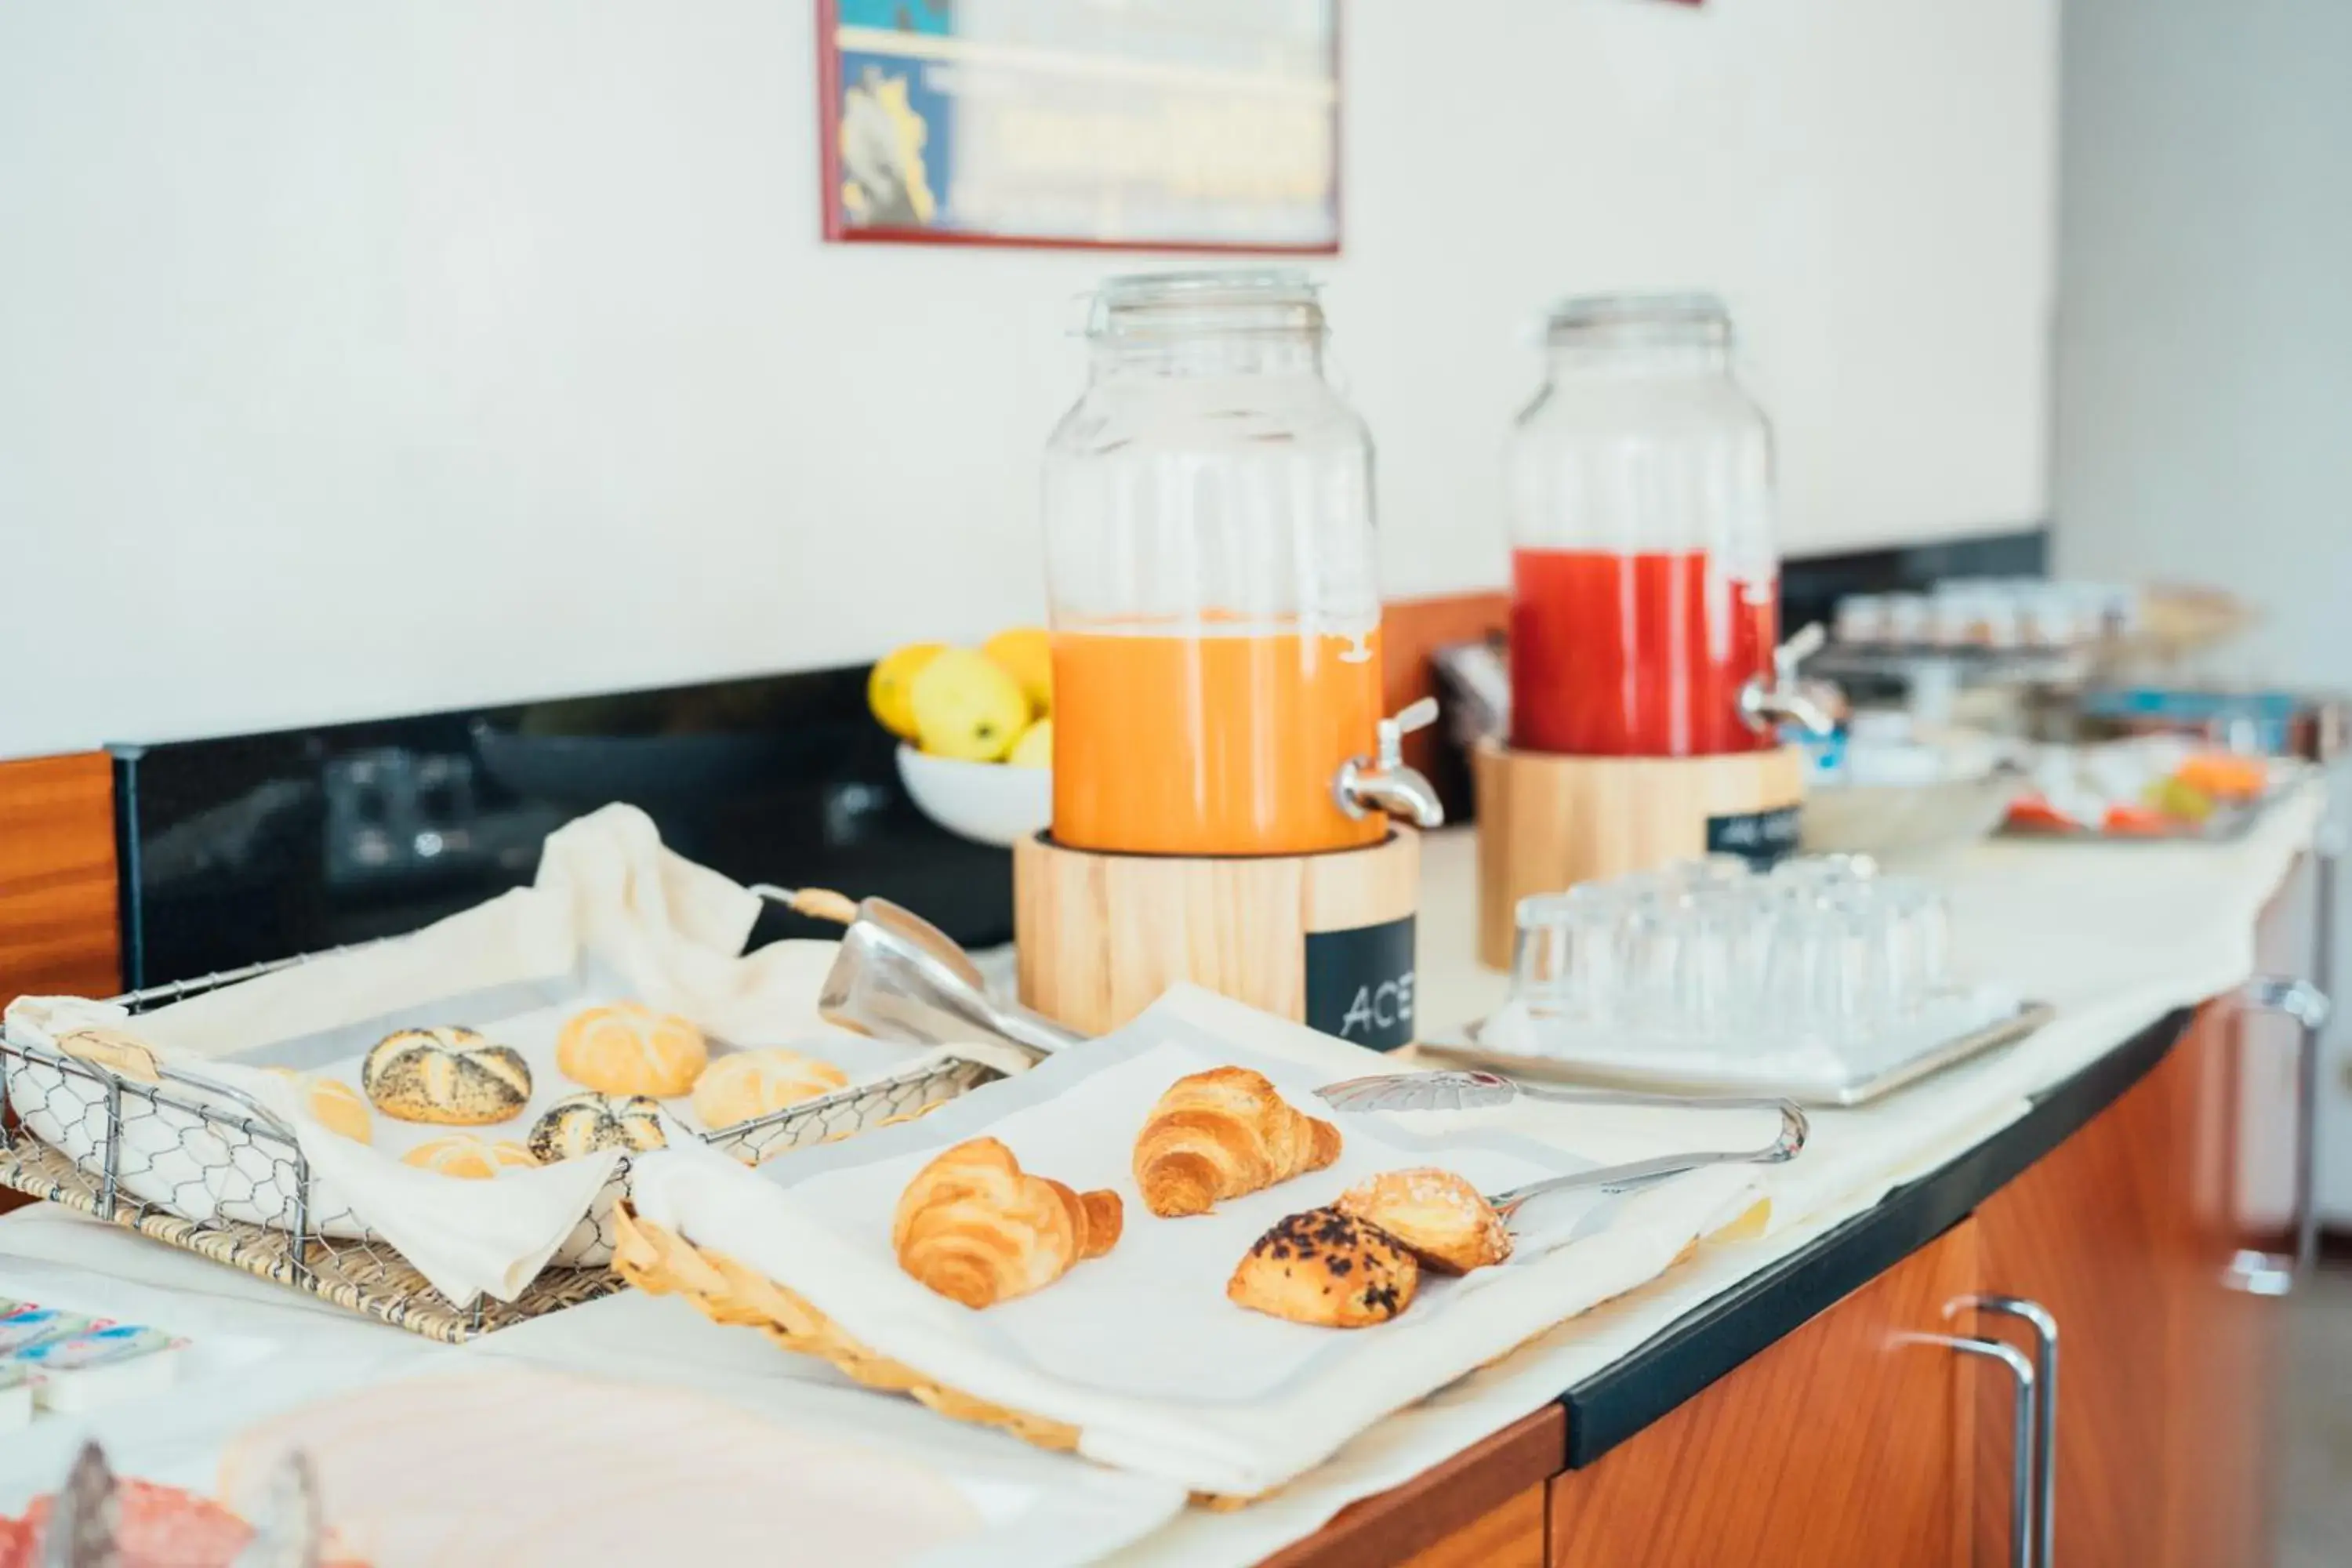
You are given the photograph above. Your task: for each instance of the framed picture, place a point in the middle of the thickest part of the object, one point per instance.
(1149, 124)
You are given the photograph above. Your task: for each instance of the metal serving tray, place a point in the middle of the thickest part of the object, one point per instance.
(2227, 824)
(1675, 1079)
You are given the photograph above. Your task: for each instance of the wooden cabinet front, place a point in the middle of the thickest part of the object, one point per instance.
(1849, 1441)
(2130, 1233)
(2092, 1233)
(2221, 1363)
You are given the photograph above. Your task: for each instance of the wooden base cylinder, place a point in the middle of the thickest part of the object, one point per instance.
(1326, 939)
(1547, 822)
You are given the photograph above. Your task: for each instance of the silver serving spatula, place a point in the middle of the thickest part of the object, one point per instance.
(899, 977)
(1474, 1090)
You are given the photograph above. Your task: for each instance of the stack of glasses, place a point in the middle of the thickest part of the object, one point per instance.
(1820, 957)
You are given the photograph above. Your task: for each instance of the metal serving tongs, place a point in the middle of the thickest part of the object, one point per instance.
(1473, 1090)
(899, 977)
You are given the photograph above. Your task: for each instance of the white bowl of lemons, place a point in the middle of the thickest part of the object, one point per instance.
(976, 733)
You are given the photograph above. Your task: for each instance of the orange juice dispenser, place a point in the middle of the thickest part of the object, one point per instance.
(1227, 790)
(1647, 696)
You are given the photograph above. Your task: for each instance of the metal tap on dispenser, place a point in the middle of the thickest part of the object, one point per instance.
(1382, 783)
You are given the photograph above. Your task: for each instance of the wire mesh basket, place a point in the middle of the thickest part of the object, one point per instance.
(98, 1124)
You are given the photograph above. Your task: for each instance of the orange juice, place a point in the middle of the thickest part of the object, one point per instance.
(1224, 743)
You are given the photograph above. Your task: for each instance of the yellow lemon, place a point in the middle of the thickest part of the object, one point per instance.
(887, 689)
(1027, 653)
(1035, 749)
(966, 707)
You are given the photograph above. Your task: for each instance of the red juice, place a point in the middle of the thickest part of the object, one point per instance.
(1635, 656)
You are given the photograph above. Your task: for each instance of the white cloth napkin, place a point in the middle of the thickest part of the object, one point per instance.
(1140, 1350)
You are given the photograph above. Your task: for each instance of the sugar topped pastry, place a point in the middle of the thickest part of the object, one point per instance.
(1327, 1270)
(1444, 1220)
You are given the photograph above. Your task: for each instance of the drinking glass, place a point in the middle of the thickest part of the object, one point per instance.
(1713, 971)
(1919, 938)
(1650, 932)
(1798, 988)
(1565, 961)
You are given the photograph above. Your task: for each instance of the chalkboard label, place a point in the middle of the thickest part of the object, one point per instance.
(1359, 983)
(1762, 838)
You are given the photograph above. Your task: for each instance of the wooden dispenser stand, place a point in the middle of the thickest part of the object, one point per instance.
(1323, 938)
(1549, 822)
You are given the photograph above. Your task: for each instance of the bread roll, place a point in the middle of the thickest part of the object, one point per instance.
(629, 1049)
(1440, 1217)
(449, 1075)
(977, 1229)
(469, 1155)
(583, 1123)
(1221, 1133)
(743, 1085)
(1325, 1269)
(335, 1104)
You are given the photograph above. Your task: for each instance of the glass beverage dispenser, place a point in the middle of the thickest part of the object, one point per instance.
(1212, 575)
(1645, 582)
(1646, 686)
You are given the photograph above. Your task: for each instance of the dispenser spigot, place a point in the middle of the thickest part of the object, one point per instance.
(1766, 706)
(1381, 782)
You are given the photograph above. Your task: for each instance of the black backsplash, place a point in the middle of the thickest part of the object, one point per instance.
(258, 846)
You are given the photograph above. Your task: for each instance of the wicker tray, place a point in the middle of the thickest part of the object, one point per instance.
(220, 1143)
(361, 1278)
(660, 1262)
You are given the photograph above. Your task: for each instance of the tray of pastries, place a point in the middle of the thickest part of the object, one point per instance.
(1161, 1249)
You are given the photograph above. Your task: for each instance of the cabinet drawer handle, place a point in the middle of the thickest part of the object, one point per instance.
(2306, 1003)
(2044, 1324)
(2021, 1428)
(2259, 1274)
(2309, 1007)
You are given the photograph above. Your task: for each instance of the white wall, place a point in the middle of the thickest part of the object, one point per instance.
(2205, 338)
(2205, 347)
(360, 360)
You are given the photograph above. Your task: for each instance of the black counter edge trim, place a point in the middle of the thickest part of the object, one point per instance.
(1615, 1405)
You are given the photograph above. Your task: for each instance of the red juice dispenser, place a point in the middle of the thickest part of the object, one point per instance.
(1645, 697)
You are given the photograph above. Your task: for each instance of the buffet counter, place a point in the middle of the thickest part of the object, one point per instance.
(2125, 1167)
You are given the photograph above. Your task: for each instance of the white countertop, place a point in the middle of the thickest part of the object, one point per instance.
(2113, 936)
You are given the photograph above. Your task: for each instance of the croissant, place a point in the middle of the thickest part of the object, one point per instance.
(1221, 1133)
(977, 1229)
